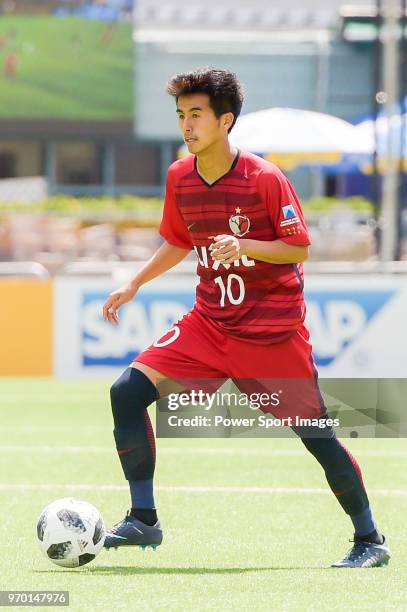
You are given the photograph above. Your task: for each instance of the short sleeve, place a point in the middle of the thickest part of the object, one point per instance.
(285, 210)
(172, 227)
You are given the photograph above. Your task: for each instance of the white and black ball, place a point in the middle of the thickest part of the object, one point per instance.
(70, 532)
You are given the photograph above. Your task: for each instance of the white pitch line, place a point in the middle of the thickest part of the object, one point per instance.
(190, 450)
(191, 489)
(56, 449)
(169, 450)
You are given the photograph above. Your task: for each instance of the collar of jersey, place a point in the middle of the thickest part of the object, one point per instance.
(223, 175)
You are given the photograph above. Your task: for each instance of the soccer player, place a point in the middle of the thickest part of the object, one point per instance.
(242, 217)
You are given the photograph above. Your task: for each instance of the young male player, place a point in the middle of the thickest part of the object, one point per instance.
(243, 219)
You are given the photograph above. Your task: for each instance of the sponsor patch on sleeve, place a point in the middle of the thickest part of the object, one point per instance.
(289, 216)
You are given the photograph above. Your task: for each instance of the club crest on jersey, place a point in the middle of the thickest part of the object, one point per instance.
(239, 224)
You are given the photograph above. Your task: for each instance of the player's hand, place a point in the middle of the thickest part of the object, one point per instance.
(226, 249)
(115, 300)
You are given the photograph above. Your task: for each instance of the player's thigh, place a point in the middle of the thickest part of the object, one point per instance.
(281, 377)
(289, 359)
(190, 349)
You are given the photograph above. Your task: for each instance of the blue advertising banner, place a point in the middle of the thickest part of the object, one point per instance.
(141, 322)
(354, 324)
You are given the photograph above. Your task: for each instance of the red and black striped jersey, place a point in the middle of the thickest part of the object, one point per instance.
(250, 299)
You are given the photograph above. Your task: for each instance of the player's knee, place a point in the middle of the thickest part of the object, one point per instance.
(130, 396)
(120, 390)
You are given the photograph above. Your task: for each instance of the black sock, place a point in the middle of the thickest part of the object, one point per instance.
(342, 473)
(375, 537)
(148, 516)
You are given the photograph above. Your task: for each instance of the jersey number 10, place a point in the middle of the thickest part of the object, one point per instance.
(227, 290)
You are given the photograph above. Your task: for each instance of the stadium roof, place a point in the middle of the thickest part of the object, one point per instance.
(256, 15)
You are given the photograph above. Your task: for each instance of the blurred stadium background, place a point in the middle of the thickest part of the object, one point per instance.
(87, 134)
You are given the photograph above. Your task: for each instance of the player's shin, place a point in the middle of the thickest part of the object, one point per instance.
(130, 395)
(344, 477)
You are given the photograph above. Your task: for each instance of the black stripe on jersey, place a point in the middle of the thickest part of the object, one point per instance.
(216, 198)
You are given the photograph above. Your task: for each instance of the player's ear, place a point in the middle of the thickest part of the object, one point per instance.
(227, 120)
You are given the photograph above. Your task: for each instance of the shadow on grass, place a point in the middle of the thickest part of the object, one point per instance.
(124, 570)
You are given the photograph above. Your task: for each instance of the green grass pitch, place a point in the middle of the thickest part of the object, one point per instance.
(224, 548)
(66, 68)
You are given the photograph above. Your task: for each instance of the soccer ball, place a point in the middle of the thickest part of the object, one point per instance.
(70, 532)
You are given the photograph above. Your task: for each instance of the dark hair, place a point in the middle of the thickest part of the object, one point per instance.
(222, 86)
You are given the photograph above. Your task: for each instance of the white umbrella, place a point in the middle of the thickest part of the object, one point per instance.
(291, 130)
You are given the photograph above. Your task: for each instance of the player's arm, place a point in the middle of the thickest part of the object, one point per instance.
(176, 247)
(229, 248)
(274, 251)
(165, 258)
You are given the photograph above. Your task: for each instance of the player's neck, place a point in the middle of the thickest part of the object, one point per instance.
(215, 162)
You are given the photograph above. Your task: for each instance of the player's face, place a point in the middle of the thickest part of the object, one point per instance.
(198, 124)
